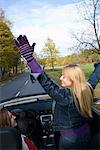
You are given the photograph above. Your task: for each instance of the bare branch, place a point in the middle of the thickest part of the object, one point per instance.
(90, 12)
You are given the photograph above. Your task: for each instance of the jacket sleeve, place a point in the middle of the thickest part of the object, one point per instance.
(95, 75)
(60, 95)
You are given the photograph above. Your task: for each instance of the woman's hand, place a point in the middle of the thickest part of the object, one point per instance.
(24, 47)
(26, 51)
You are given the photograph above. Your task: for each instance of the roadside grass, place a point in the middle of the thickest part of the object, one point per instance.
(87, 69)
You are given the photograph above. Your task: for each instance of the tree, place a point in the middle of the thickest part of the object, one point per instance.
(9, 55)
(90, 13)
(88, 56)
(50, 51)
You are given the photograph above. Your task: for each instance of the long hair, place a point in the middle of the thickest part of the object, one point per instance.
(83, 96)
(5, 119)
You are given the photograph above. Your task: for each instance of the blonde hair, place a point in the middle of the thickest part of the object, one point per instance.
(5, 119)
(82, 94)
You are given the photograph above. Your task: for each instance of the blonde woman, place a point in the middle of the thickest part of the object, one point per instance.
(72, 100)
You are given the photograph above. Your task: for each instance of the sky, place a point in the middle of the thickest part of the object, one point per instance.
(42, 19)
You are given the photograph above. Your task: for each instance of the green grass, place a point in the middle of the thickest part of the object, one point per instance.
(87, 69)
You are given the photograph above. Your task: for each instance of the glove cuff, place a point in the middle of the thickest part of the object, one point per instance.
(34, 66)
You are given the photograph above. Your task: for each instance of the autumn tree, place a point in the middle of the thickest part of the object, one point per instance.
(9, 55)
(88, 56)
(90, 36)
(50, 51)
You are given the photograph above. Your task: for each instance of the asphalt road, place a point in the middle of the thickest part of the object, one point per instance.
(20, 86)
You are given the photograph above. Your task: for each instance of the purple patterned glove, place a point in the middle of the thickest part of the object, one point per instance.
(27, 52)
(33, 45)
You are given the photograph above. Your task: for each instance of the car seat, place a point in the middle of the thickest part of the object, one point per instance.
(10, 139)
(95, 142)
(94, 124)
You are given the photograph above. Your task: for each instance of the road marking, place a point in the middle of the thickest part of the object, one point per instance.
(17, 94)
(2, 84)
(26, 82)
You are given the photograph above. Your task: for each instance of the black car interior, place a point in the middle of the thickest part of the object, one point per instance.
(35, 121)
(10, 139)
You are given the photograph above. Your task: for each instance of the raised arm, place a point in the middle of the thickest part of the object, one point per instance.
(95, 75)
(51, 88)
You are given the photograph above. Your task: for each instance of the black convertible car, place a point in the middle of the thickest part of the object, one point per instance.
(34, 119)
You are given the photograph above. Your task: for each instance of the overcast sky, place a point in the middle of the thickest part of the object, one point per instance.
(40, 19)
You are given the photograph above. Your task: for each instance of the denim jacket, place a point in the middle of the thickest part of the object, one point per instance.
(95, 75)
(66, 115)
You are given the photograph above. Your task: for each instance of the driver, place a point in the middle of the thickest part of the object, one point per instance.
(8, 119)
